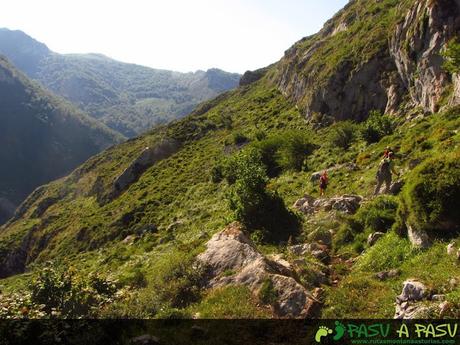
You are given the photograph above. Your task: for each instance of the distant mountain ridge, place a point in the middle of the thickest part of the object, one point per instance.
(42, 137)
(126, 97)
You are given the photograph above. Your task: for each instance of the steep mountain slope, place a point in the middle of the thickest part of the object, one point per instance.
(126, 97)
(149, 212)
(41, 137)
(368, 56)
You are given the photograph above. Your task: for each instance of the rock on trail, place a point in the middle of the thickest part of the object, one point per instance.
(232, 259)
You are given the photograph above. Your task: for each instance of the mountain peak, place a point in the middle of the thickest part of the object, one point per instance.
(24, 51)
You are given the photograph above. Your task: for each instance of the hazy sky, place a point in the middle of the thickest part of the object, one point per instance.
(181, 35)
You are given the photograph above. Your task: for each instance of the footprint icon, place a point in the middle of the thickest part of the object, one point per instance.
(339, 330)
(322, 332)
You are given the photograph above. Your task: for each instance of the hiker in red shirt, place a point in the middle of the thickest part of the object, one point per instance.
(387, 152)
(323, 181)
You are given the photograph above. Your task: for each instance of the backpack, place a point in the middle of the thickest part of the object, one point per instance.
(323, 180)
(384, 167)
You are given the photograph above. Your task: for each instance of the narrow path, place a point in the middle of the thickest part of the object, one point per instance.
(338, 268)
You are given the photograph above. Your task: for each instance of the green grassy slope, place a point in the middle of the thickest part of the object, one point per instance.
(84, 229)
(174, 207)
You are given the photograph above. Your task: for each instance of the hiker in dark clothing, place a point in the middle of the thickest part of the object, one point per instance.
(323, 181)
(386, 167)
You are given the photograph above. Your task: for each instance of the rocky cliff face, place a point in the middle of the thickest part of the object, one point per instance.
(416, 45)
(337, 72)
(350, 67)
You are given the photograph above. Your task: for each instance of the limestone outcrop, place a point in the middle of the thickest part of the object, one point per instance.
(232, 259)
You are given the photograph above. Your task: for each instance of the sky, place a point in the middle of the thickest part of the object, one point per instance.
(180, 35)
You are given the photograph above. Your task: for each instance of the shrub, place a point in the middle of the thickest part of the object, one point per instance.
(389, 252)
(286, 151)
(426, 145)
(101, 285)
(134, 277)
(227, 121)
(320, 120)
(249, 194)
(181, 285)
(347, 232)
(268, 149)
(452, 57)
(431, 197)
(217, 173)
(296, 147)
(379, 214)
(343, 134)
(253, 204)
(358, 247)
(376, 127)
(64, 294)
(239, 138)
(226, 168)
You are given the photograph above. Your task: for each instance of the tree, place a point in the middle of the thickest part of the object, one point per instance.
(254, 205)
(376, 127)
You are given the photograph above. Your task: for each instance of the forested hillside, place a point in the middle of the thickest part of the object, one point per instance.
(42, 137)
(126, 97)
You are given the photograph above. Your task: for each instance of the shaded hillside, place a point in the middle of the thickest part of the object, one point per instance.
(41, 137)
(126, 97)
(156, 214)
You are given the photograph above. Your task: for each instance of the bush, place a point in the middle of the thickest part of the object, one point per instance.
(255, 206)
(343, 134)
(320, 120)
(452, 57)
(181, 285)
(347, 232)
(389, 252)
(268, 149)
(217, 173)
(64, 294)
(239, 138)
(376, 127)
(134, 277)
(296, 147)
(286, 151)
(431, 197)
(249, 194)
(379, 214)
(101, 285)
